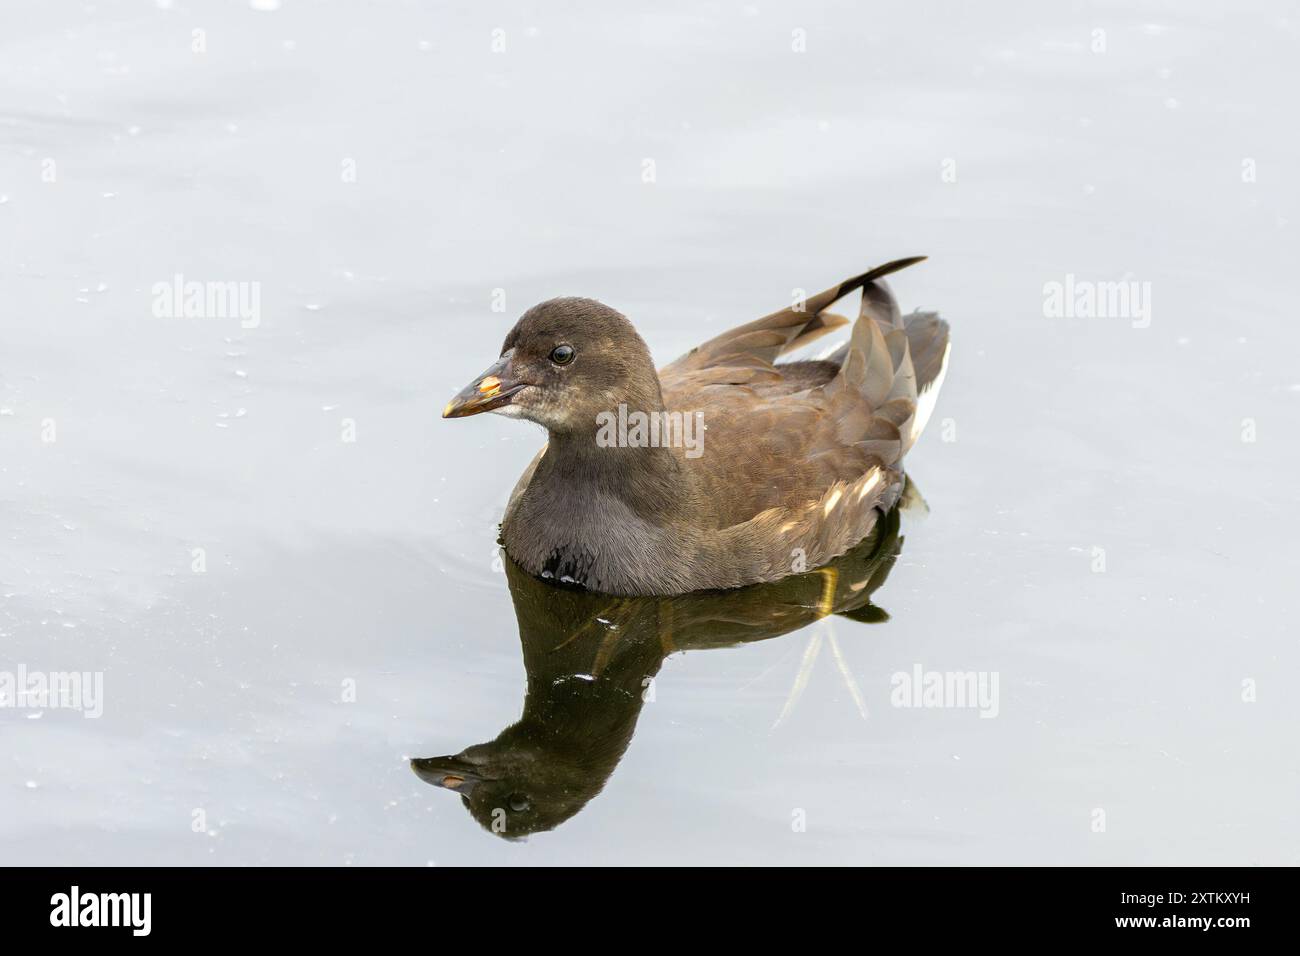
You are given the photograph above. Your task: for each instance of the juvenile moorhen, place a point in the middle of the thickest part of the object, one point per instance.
(726, 468)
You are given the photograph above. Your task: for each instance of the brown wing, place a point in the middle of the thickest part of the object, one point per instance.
(799, 427)
(759, 343)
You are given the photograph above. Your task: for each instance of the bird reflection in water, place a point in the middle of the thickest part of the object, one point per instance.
(591, 660)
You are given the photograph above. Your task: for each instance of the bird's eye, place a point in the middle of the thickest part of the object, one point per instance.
(518, 802)
(562, 354)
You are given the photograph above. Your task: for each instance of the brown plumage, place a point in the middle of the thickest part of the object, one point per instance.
(796, 462)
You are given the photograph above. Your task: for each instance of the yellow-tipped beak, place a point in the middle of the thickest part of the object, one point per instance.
(493, 389)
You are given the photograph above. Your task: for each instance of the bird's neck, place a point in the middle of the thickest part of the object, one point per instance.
(621, 452)
(648, 478)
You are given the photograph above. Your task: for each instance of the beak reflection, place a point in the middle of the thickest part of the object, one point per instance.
(449, 773)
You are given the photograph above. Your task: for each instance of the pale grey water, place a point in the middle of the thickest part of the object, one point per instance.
(126, 157)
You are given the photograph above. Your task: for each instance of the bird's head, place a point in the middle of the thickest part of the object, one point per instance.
(565, 362)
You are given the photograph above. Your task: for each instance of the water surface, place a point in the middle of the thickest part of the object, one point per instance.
(1113, 504)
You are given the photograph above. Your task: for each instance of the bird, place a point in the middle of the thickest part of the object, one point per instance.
(727, 467)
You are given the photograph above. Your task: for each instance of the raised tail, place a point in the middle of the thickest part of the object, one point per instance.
(897, 362)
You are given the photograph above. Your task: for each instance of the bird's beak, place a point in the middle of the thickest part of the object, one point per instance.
(492, 389)
(450, 773)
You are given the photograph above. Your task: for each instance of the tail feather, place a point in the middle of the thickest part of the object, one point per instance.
(927, 336)
(928, 342)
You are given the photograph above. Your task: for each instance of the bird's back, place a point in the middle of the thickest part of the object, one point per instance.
(783, 435)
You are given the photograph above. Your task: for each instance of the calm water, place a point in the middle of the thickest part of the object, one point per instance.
(283, 563)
